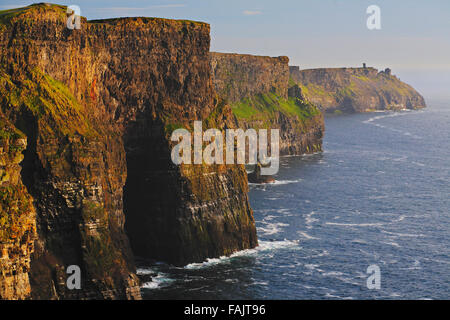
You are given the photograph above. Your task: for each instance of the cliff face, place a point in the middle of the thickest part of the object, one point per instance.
(17, 216)
(262, 96)
(356, 89)
(97, 106)
(239, 76)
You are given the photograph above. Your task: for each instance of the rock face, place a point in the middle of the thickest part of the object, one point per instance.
(17, 216)
(97, 106)
(262, 96)
(239, 76)
(355, 89)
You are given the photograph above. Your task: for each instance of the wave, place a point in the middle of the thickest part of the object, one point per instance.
(388, 115)
(307, 236)
(309, 220)
(375, 224)
(264, 246)
(398, 234)
(272, 228)
(372, 120)
(145, 271)
(282, 182)
(392, 243)
(159, 281)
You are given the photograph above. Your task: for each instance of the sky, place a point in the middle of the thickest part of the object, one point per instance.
(414, 39)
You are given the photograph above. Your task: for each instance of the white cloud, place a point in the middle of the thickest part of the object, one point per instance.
(251, 13)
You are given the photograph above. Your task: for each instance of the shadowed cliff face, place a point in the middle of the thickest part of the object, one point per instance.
(356, 89)
(262, 97)
(96, 104)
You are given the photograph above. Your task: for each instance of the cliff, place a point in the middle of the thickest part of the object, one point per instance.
(355, 89)
(261, 96)
(17, 216)
(97, 106)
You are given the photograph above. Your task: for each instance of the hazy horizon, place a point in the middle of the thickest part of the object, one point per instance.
(414, 40)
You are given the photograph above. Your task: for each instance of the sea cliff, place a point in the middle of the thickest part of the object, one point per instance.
(91, 112)
(262, 96)
(355, 89)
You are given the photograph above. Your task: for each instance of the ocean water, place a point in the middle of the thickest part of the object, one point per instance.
(379, 194)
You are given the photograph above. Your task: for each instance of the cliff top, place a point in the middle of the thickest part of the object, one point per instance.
(60, 11)
(284, 59)
(370, 70)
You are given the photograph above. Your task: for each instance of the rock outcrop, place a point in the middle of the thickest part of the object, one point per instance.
(97, 106)
(261, 95)
(355, 89)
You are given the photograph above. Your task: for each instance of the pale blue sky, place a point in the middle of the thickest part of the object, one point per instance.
(414, 40)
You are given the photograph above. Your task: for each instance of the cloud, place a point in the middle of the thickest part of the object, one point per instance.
(251, 13)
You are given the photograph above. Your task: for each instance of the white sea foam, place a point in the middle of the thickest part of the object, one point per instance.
(376, 224)
(264, 246)
(372, 120)
(145, 271)
(360, 241)
(398, 234)
(283, 182)
(271, 228)
(309, 220)
(307, 236)
(392, 243)
(378, 197)
(332, 274)
(158, 281)
(388, 115)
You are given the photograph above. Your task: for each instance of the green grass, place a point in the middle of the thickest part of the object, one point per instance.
(265, 106)
(8, 132)
(49, 100)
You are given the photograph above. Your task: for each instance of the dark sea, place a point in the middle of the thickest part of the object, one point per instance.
(378, 195)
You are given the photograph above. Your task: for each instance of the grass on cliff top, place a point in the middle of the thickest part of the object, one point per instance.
(358, 84)
(7, 16)
(147, 20)
(50, 102)
(35, 10)
(264, 107)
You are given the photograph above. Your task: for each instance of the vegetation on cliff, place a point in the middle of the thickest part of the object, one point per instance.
(262, 96)
(61, 138)
(263, 107)
(17, 216)
(355, 89)
(96, 107)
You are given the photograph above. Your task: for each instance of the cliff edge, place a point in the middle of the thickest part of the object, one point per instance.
(355, 89)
